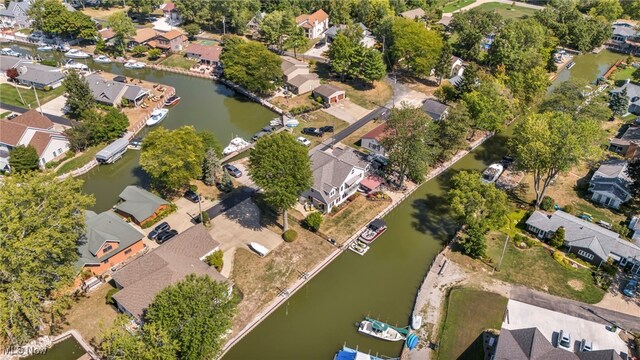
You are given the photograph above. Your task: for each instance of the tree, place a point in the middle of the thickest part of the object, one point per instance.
(97, 127)
(473, 242)
(408, 140)
(192, 30)
(633, 170)
(193, 11)
(340, 54)
(210, 168)
(574, 97)
(196, 313)
(79, 95)
(413, 47)
(454, 130)
(231, 41)
(23, 158)
(372, 67)
(558, 237)
(123, 28)
(443, 66)
(276, 26)
(489, 105)
(139, 50)
(609, 9)
(549, 143)
(233, 15)
(143, 7)
(154, 54)
(12, 74)
(631, 8)
(41, 222)
(53, 18)
(253, 67)
(149, 343)
(371, 12)
(297, 40)
(172, 158)
(209, 141)
(280, 166)
(619, 102)
(471, 28)
(313, 221)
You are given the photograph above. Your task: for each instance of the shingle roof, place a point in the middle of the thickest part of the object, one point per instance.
(414, 13)
(434, 108)
(631, 135)
(206, 52)
(376, 133)
(107, 34)
(612, 177)
(34, 119)
(170, 35)
(143, 278)
(144, 34)
(327, 90)
(290, 64)
(318, 16)
(609, 354)
(633, 92)
(139, 203)
(8, 62)
(528, 344)
(301, 79)
(41, 76)
(109, 91)
(12, 131)
(330, 170)
(39, 141)
(169, 6)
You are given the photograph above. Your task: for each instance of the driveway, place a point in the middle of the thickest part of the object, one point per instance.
(412, 98)
(347, 111)
(521, 316)
(613, 298)
(317, 52)
(54, 106)
(245, 179)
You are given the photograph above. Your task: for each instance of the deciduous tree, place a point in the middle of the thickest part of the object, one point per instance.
(233, 15)
(608, 9)
(454, 130)
(23, 158)
(471, 28)
(489, 105)
(194, 11)
(192, 30)
(253, 67)
(143, 7)
(276, 26)
(79, 95)
(122, 26)
(414, 48)
(297, 40)
(280, 166)
(558, 237)
(575, 98)
(442, 68)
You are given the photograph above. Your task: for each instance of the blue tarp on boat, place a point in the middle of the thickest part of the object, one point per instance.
(350, 354)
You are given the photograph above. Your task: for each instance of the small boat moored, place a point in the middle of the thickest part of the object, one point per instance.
(76, 54)
(380, 330)
(132, 64)
(172, 100)
(416, 322)
(236, 144)
(72, 65)
(570, 65)
(492, 173)
(258, 248)
(9, 52)
(102, 59)
(359, 247)
(373, 230)
(44, 47)
(157, 116)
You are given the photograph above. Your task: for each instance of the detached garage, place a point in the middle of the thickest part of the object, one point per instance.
(329, 93)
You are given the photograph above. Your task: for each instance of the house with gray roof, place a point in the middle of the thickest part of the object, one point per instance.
(624, 36)
(435, 109)
(108, 241)
(414, 14)
(337, 174)
(368, 40)
(112, 93)
(39, 76)
(627, 144)
(609, 185)
(16, 15)
(296, 75)
(633, 94)
(588, 241)
(140, 205)
(143, 278)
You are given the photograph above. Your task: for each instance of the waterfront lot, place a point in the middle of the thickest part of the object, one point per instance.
(318, 119)
(350, 219)
(9, 95)
(80, 160)
(469, 313)
(90, 313)
(179, 61)
(507, 10)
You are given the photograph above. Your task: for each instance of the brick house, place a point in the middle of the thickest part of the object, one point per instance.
(139, 205)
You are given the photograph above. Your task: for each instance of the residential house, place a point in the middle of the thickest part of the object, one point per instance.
(337, 175)
(107, 34)
(610, 184)
(531, 344)
(11, 62)
(414, 14)
(171, 13)
(627, 144)
(314, 25)
(16, 15)
(39, 76)
(624, 37)
(140, 205)
(435, 109)
(633, 93)
(445, 22)
(142, 36)
(142, 279)
(372, 140)
(330, 94)
(588, 241)
(172, 41)
(206, 54)
(35, 129)
(112, 93)
(297, 78)
(253, 26)
(368, 40)
(109, 240)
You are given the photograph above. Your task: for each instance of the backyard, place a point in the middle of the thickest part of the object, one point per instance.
(349, 220)
(469, 313)
(318, 119)
(80, 160)
(11, 95)
(102, 13)
(91, 313)
(622, 74)
(179, 61)
(507, 11)
(353, 139)
(369, 97)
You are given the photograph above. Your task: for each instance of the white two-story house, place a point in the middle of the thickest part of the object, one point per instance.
(337, 175)
(314, 25)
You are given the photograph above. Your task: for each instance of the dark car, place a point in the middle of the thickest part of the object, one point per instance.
(312, 131)
(192, 196)
(269, 128)
(327, 128)
(166, 235)
(232, 170)
(319, 44)
(12, 116)
(258, 135)
(631, 288)
(158, 230)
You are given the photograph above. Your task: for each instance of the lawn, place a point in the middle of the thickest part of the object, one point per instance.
(80, 160)
(469, 313)
(358, 213)
(353, 139)
(179, 61)
(622, 74)
(91, 313)
(5, 114)
(9, 95)
(507, 11)
(371, 98)
(102, 13)
(455, 5)
(318, 119)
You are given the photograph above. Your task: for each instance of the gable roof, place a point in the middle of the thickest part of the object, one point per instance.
(327, 90)
(107, 34)
(413, 13)
(166, 265)
(612, 177)
(139, 203)
(609, 354)
(528, 344)
(171, 34)
(434, 108)
(9, 62)
(331, 169)
(12, 131)
(144, 35)
(169, 6)
(631, 135)
(633, 92)
(34, 119)
(302, 79)
(290, 64)
(40, 76)
(318, 16)
(206, 52)
(377, 133)
(106, 226)
(40, 140)
(109, 91)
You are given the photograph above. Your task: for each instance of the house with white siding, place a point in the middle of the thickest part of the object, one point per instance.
(609, 185)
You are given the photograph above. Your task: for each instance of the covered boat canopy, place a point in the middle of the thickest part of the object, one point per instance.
(115, 148)
(377, 224)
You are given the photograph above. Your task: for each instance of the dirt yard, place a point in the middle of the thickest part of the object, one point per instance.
(354, 138)
(91, 313)
(292, 102)
(101, 13)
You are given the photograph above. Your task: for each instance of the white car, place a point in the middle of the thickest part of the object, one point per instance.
(586, 345)
(564, 340)
(304, 141)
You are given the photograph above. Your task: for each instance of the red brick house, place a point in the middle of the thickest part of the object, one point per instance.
(172, 41)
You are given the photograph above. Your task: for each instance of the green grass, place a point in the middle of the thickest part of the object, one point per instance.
(597, 213)
(469, 313)
(9, 95)
(622, 74)
(5, 114)
(535, 268)
(179, 61)
(455, 5)
(507, 11)
(79, 161)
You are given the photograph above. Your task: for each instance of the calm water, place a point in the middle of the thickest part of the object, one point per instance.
(68, 349)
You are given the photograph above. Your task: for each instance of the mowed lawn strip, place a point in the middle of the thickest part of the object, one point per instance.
(469, 313)
(179, 61)
(349, 220)
(81, 160)
(318, 119)
(9, 95)
(455, 5)
(507, 11)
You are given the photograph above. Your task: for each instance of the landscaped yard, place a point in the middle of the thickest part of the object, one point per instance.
(371, 98)
(80, 160)
(91, 313)
(9, 95)
(179, 61)
(469, 313)
(350, 219)
(507, 11)
(455, 5)
(318, 119)
(622, 74)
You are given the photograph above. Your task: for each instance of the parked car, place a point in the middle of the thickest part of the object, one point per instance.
(192, 196)
(319, 44)
(327, 128)
(258, 135)
(586, 345)
(232, 170)
(564, 340)
(312, 131)
(269, 129)
(304, 141)
(159, 229)
(166, 235)
(12, 116)
(631, 288)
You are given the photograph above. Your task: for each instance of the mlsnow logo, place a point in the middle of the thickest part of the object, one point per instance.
(15, 350)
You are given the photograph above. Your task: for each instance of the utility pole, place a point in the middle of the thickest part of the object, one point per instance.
(224, 27)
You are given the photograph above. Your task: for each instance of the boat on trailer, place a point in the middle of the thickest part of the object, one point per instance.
(382, 331)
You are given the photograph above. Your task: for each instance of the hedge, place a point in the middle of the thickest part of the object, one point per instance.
(215, 260)
(109, 297)
(163, 214)
(290, 235)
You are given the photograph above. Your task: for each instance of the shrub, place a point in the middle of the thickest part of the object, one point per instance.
(47, 88)
(569, 209)
(547, 203)
(193, 188)
(621, 229)
(109, 297)
(528, 242)
(163, 214)
(559, 257)
(557, 239)
(49, 63)
(215, 260)
(290, 235)
(313, 221)
(154, 54)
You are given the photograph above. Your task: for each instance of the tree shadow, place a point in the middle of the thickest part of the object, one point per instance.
(247, 214)
(475, 350)
(431, 216)
(493, 149)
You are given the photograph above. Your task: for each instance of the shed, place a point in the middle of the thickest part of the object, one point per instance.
(330, 94)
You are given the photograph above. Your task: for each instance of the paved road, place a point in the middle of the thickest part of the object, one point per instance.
(234, 199)
(56, 119)
(576, 308)
(379, 112)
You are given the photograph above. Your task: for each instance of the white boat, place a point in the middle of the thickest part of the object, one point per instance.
(9, 52)
(76, 54)
(44, 47)
(291, 123)
(132, 64)
(157, 116)
(229, 149)
(102, 59)
(379, 330)
(416, 322)
(236, 144)
(260, 249)
(492, 173)
(359, 247)
(373, 230)
(72, 65)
